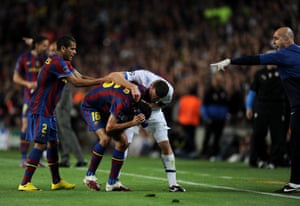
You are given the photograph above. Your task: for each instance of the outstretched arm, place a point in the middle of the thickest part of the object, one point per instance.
(79, 75)
(244, 60)
(79, 81)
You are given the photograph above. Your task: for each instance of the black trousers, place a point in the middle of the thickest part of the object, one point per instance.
(189, 132)
(271, 117)
(213, 129)
(295, 146)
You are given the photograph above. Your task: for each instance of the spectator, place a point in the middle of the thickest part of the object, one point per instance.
(270, 113)
(189, 112)
(214, 114)
(68, 140)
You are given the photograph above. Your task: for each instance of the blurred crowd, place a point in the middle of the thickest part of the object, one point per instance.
(176, 39)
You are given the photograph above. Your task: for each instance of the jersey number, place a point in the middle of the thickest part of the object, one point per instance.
(96, 116)
(116, 86)
(44, 129)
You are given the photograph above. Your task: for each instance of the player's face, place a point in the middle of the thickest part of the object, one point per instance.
(52, 48)
(69, 52)
(279, 41)
(42, 47)
(152, 93)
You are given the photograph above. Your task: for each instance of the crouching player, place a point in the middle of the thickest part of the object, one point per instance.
(108, 110)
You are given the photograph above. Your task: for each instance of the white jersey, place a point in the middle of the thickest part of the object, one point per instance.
(146, 78)
(157, 124)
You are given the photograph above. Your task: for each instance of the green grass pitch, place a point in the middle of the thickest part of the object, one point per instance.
(207, 183)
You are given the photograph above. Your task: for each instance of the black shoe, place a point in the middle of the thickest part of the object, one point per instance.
(176, 188)
(64, 164)
(81, 164)
(288, 189)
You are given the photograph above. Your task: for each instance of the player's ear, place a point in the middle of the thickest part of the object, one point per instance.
(63, 48)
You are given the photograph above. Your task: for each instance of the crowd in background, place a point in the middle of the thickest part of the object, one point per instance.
(176, 39)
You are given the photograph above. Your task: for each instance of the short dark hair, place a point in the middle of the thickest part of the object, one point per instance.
(144, 108)
(161, 88)
(65, 41)
(38, 39)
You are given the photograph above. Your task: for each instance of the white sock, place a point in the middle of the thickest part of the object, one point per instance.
(169, 164)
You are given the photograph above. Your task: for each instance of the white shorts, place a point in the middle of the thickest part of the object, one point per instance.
(157, 126)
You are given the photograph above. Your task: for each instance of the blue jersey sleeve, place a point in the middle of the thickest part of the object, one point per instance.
(250, 99)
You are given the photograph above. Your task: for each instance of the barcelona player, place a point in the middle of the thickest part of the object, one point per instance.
(56, 71)
(108, 110)
(25, 74)
(160, 95)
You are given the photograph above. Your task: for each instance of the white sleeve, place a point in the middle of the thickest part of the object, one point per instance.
(142, 77)
(146, 78)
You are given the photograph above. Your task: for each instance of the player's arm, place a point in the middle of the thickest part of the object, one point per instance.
(17, 78)
(244, 60)
(119, 78)
(249, 103)
(79, 75)
(113, 126)
(79, 81)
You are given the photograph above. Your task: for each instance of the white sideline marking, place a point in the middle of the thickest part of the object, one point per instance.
(209, 185)
(186, 182)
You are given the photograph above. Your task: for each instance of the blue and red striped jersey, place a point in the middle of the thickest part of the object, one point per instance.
(112, 98)
(28, 66)
(50, 85)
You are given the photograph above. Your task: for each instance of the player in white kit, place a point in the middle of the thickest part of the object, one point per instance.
(160, 95)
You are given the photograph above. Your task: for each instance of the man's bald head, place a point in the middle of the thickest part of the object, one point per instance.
(283, 37)
(286, 32)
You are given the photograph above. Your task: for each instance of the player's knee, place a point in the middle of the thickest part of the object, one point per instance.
(40, 146)
(104, 142)
(121, 146)
(52, 144)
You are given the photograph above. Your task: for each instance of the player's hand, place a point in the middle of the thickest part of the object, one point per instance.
(28, 41)
(249, 114)
(135, 92)
(32, 85)
(138, 119)
(220, 66)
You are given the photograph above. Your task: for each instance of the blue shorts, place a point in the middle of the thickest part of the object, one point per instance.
(41, 129)
(94, 119)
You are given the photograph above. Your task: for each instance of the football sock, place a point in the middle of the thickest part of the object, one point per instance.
(97, 155)
(32, 163)
(52, 159)
(116, 165)
(169, 164)
(24, 145)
